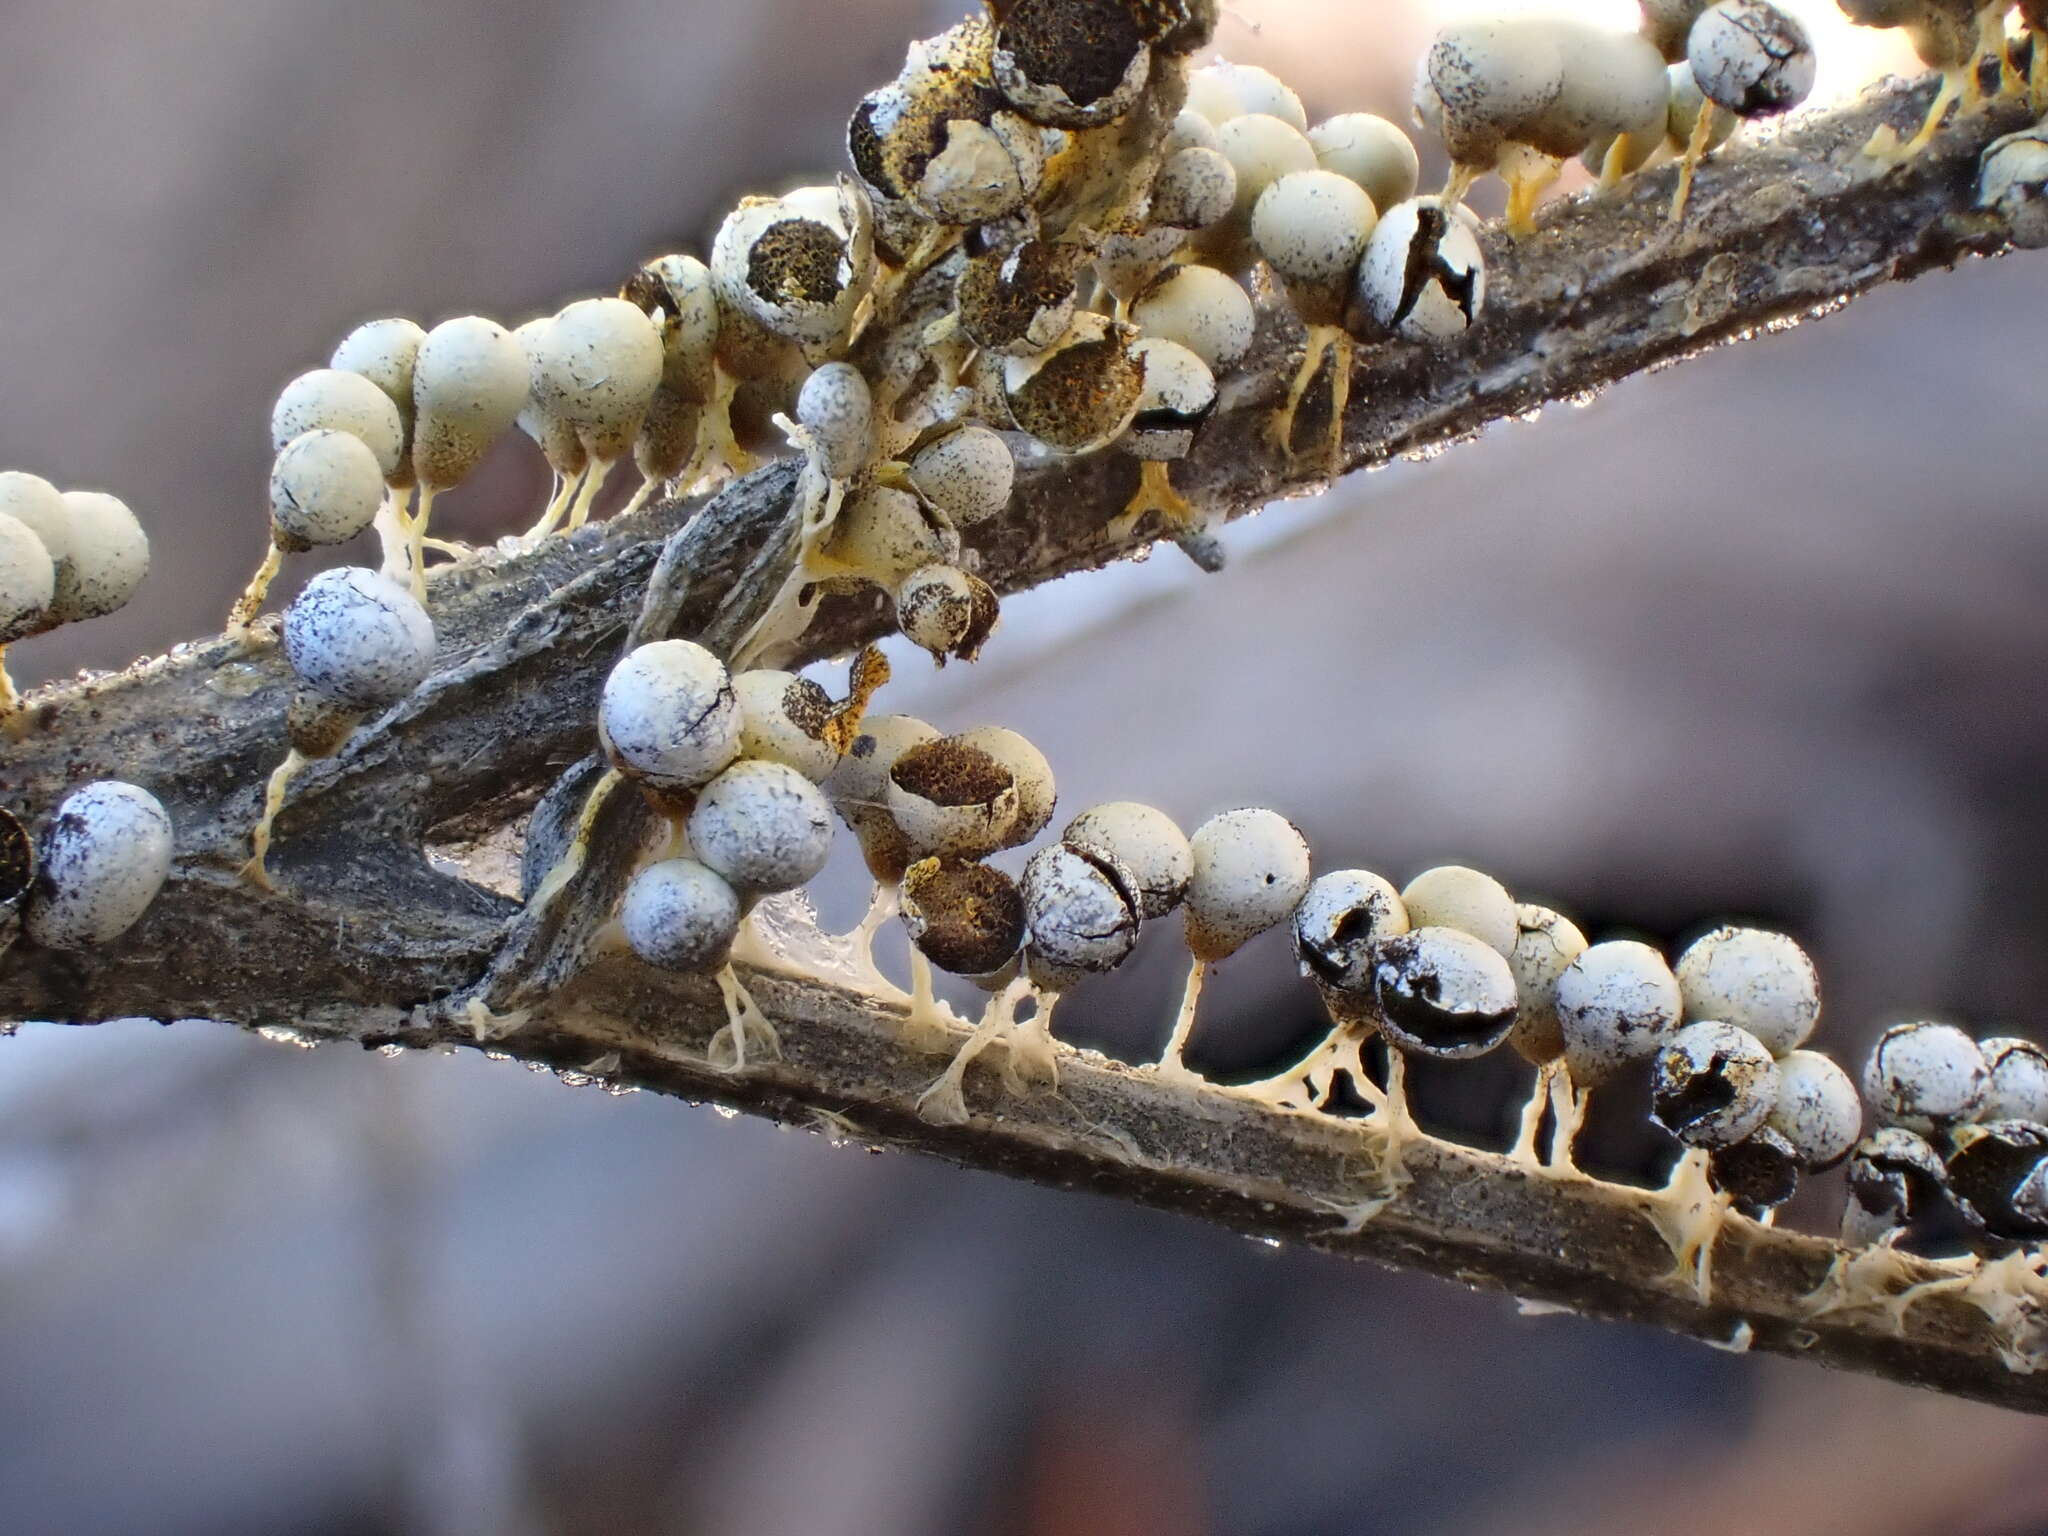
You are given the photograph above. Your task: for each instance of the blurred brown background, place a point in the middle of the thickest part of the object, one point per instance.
(1758, 637)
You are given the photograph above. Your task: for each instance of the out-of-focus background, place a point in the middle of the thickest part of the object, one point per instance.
(1758, 637)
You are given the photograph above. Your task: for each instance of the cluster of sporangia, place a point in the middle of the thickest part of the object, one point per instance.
(1079, 214)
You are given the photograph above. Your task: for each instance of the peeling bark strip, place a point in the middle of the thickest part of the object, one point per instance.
(365, 932)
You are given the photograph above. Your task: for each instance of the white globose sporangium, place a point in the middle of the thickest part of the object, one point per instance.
(358, 640)
(1144, 840)
(1453, 896)
(1758, 980)
(1616, 1003)
(101, 862)
(107, 561)
(325, 488)
(763, 826)
(1924, 1076)
(669, 715)
(680, 915)
(1251, 871)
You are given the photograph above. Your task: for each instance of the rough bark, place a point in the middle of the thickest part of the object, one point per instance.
(366, 938)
